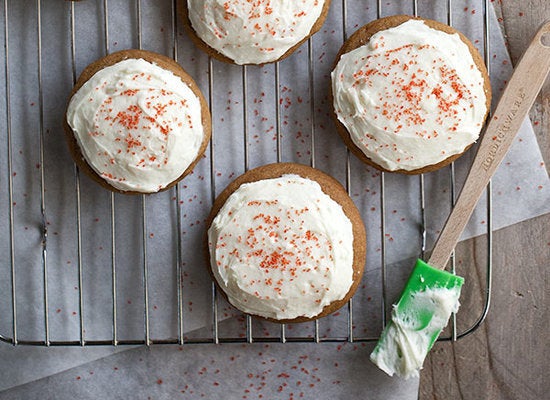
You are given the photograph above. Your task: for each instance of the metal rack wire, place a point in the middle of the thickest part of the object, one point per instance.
(214, 337)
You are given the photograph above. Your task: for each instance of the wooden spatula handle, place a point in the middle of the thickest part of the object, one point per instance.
(515, 102)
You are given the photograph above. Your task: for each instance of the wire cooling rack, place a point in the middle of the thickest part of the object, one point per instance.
(18, 299)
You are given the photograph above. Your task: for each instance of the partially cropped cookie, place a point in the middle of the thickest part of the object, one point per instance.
(286, 243)
(252, 32)
(136, 122)
(409, 95)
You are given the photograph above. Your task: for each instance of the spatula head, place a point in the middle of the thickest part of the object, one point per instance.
(423, 310)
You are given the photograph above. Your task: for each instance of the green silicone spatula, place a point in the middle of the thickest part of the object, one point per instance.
(431, 294)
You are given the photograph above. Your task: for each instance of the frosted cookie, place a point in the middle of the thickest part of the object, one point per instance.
(286, 243)
(409, 95)
(252, 32)
(136, 122)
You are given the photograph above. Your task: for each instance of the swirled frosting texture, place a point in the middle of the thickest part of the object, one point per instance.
(411, 97)
(281, 248)
(137, 125)
(253, 32)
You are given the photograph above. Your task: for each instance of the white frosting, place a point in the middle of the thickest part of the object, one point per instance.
(411, 97)
(138, 125)
(405, 344)
(253, 32)
(281, 248)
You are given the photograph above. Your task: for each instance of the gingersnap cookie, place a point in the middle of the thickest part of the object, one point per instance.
(136, 122)
(409, 95)
(286, 243)
(252, 32)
